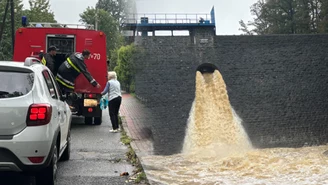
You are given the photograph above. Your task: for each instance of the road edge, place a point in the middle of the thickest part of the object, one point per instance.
(134, 148)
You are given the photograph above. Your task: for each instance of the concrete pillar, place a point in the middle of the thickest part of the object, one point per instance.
(144, 33)
(203, 36)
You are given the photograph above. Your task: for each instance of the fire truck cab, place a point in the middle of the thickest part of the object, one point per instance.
(36, 38)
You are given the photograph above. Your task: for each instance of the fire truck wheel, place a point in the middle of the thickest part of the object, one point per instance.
(88, 120)
(98, 120)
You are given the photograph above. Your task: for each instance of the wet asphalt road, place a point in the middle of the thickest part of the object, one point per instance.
(97, 158)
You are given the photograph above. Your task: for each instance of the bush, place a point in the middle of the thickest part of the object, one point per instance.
(125, 67)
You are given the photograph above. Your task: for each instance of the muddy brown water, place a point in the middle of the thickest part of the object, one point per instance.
(217, 149)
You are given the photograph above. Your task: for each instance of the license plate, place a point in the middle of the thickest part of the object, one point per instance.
(90, 103)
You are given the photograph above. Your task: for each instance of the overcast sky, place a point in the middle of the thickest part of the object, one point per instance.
(228, 12)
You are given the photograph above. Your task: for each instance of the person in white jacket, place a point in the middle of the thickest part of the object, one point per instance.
(113, 88)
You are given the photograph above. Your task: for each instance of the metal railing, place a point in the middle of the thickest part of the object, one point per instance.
(167, 18)
(61, 25)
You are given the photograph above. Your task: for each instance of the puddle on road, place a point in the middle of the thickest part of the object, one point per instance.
(217, 150)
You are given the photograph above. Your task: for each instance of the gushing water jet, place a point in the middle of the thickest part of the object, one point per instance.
(214, 128)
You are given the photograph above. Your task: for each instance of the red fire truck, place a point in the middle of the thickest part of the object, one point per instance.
(35, 38)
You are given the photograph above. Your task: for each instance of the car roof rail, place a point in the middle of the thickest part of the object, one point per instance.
(29, 61)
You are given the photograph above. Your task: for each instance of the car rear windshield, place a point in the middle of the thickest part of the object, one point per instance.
(15, 84)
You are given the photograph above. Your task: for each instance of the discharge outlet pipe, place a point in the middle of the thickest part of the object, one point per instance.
(207, 68)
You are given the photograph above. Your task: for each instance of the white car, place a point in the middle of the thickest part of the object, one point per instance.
(35, 120)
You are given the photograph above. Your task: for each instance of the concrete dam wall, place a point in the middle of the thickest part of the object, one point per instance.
(277, 84)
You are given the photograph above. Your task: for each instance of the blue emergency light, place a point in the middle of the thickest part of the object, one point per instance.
(24, 21)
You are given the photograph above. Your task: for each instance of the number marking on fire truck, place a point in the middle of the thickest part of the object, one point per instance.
(95, 56)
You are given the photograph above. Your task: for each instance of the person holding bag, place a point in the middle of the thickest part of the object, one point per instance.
(113, 88)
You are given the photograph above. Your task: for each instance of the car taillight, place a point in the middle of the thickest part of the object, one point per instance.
(38, 114)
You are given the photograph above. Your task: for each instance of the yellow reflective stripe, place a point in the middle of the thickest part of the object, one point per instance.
(65, 84)
(44, 62)
(71, 63)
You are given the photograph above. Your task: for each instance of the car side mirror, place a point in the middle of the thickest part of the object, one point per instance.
(63, 97)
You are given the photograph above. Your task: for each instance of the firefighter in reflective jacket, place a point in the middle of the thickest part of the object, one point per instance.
(71, 69)
(49, 60)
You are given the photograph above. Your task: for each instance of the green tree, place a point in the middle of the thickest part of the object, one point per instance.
(6, 44)
(40, 11)
(107, 24)
(244, 28)
(118, 9)
(323, 16)
(286, 17)
(274, 16)
(113, 59)
(126, 68)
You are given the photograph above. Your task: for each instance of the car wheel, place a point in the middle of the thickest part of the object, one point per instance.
(88, 120)
(67, 153)
(48, 176)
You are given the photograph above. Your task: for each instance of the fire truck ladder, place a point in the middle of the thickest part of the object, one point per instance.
(61, 25)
